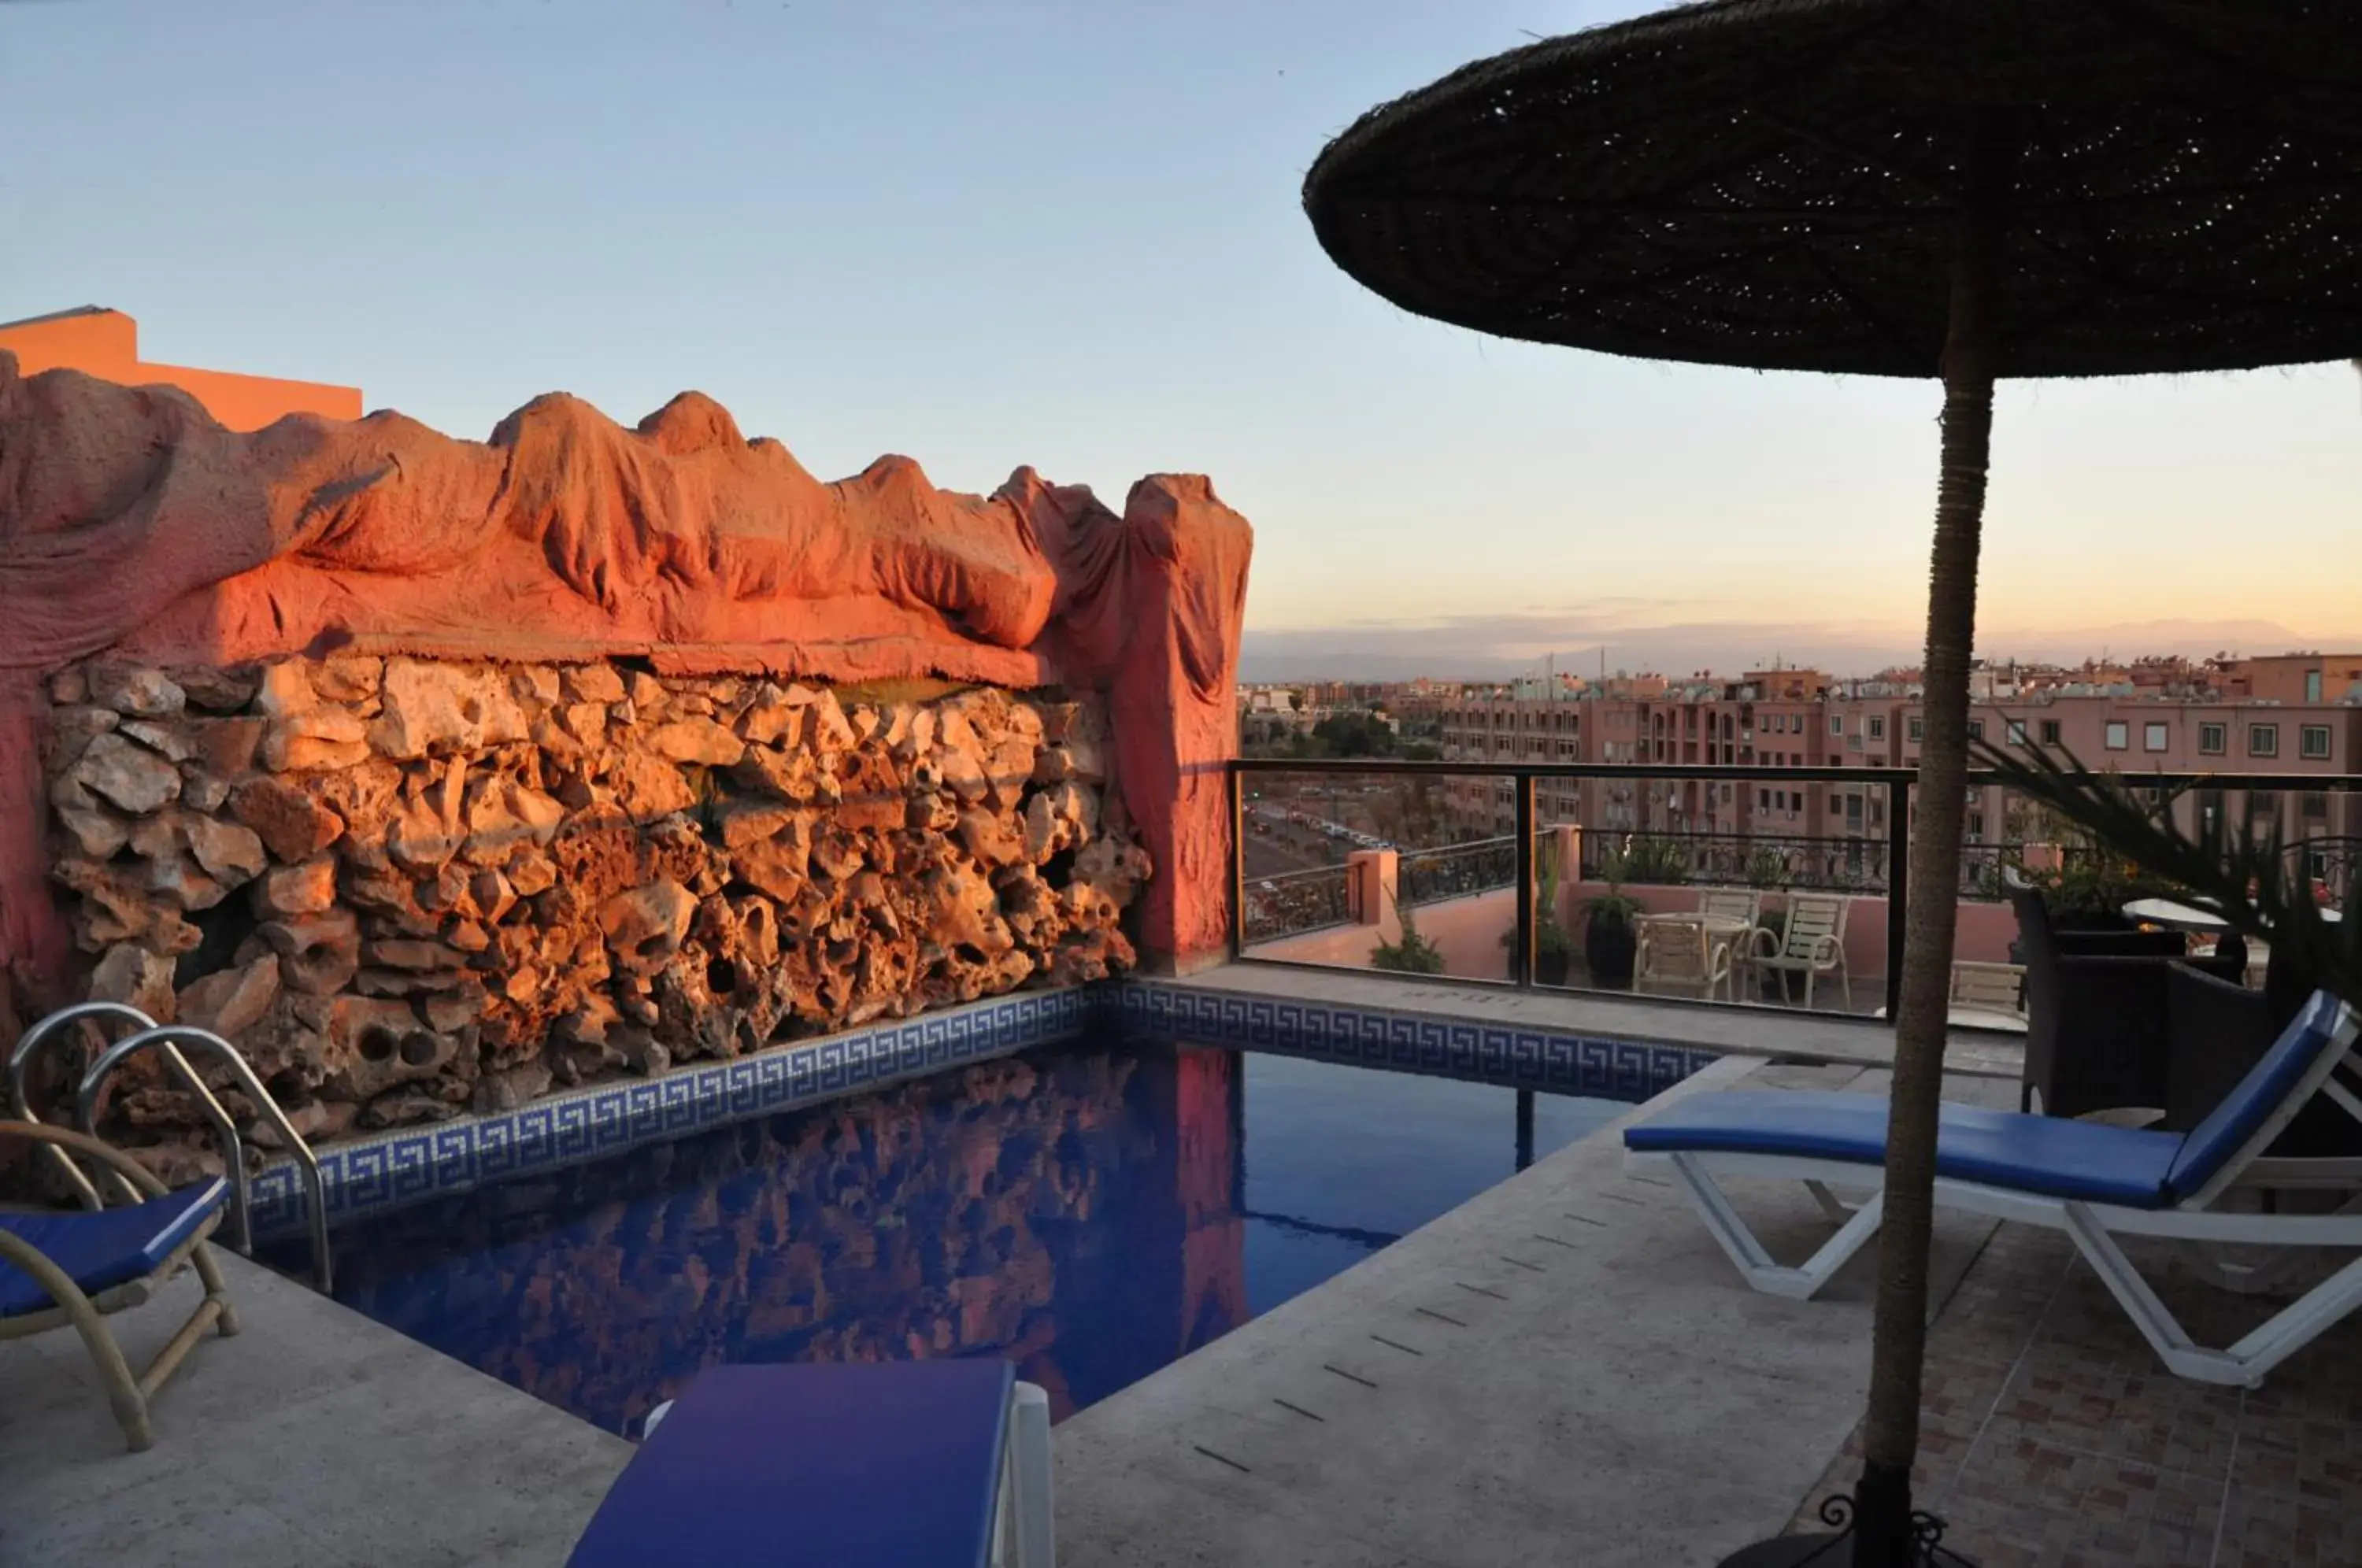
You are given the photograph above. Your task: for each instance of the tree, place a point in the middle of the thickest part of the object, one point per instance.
(1355, 735)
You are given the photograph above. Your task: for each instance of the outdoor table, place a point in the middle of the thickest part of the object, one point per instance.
(2228, 943)
(1722, 931)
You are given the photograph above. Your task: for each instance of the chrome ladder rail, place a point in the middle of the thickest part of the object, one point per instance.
(20, 1066)
(168, 1038)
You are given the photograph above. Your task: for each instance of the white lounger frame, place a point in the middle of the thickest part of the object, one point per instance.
(2093, 1228)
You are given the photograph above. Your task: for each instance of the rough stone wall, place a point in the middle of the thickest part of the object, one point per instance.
(406, 887)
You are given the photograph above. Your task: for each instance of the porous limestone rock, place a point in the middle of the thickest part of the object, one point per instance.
(462, 884)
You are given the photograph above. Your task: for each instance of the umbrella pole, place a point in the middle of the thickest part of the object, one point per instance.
(1881, 1530)
(1885, 1531)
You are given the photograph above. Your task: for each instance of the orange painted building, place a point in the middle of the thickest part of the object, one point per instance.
(106, 343)
(2294, 677)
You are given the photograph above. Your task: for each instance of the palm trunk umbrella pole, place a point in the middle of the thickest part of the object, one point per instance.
(1972, 189)
(1884, 1528)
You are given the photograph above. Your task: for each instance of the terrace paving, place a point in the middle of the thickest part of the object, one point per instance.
(2050, 1436)
(312, 1438)
(1563, 1369)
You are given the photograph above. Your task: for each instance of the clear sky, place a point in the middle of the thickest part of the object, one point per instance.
(992, 232)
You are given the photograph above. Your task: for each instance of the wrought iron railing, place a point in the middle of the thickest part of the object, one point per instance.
(1853, 864)
(1295, 901)
(1478, 867)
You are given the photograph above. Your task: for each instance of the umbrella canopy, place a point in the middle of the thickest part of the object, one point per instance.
(1775, 182)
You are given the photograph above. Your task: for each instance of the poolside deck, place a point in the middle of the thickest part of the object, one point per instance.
(1564, 1369)
(1779, 1034)
(312, 1438)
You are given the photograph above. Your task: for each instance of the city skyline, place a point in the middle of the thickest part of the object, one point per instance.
(1454, 655)
(876, 228)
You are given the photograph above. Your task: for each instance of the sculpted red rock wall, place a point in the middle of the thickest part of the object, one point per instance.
(132, 523)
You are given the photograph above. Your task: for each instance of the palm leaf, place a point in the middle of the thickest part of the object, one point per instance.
(2239, 874)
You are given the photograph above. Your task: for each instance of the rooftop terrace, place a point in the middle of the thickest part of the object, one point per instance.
(1562, 1369)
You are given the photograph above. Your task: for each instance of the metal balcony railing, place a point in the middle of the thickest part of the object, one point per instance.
(1874, 859)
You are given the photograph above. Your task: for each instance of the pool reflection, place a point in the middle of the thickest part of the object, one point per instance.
(1085, 1211)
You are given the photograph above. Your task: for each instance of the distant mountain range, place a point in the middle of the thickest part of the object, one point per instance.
(1495, 648)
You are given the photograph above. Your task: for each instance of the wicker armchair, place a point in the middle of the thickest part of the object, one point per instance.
(2096, 1004)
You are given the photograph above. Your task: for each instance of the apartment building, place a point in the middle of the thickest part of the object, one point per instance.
(2307, 677)
(2133, 736)
(1769, 718)
(1807, 719)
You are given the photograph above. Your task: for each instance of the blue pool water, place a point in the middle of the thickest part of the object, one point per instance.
(1090, 1211)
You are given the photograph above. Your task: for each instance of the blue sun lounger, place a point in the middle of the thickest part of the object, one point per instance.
(2095, 1183)
(893, 1464)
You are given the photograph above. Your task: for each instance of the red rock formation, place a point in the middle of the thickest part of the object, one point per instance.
(130, 520)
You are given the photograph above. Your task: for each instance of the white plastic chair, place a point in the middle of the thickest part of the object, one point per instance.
(1812, 944)
(1678, 951)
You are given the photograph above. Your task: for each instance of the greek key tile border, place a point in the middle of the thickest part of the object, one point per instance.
(1408, 1041)
(401, 1167)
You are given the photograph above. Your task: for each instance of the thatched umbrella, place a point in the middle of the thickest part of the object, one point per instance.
(1968, 189)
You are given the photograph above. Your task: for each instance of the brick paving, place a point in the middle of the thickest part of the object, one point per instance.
(2051, 1438)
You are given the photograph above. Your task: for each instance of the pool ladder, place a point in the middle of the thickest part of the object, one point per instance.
(167, 1038)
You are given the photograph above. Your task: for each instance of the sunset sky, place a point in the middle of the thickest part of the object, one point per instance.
(992, 233)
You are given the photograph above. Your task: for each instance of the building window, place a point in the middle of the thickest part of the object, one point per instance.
(1762, 800)
(1918, 728)
(1877, 727)
(1976, 827)
(1976, 729)
(2313, 740)
(2049, 732)
(1836, 723)
(2312, 686)
(2119, 735)
(2016, 731)
(2152, 737)
(2313, 805)
(2263, 740)
(2212, 740)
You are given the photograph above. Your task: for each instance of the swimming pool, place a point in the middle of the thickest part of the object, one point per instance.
(1091, 1211)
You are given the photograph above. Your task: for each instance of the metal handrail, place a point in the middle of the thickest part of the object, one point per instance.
(20, 1066)
(1524, 775)
(2331, 783)
(167, 1038)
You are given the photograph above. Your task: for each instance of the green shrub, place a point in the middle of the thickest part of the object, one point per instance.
(1649, 859)
(1414, 954)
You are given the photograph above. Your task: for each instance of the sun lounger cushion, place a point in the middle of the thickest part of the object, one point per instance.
(2000, 1148)
(110, 1247)
(2240, 1114)
(853, 1466)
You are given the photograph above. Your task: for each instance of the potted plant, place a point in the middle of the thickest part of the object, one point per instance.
(1609, 943)
(1553, 948)
(1411, 953)
(1648, 859)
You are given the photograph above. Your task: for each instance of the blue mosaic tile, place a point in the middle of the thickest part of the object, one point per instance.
(1405, 1041)
(404, 1166)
